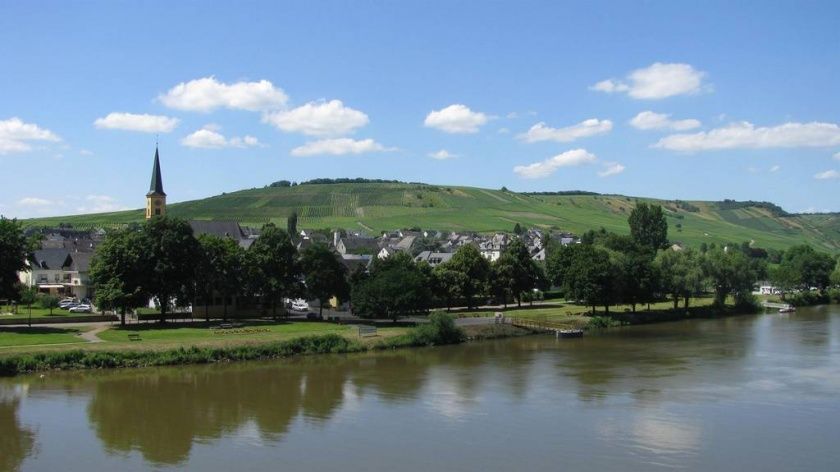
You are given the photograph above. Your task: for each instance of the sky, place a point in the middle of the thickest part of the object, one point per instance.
(678, 100)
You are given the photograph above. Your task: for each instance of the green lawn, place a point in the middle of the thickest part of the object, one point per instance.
(37, 312)
(572, 314)
(37, 336)
(175, 332)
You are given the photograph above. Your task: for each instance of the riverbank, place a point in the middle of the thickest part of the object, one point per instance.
(199, 345)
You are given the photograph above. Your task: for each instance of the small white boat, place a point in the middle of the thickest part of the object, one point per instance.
(787, 309)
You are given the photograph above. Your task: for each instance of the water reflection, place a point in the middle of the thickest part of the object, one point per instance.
(16, 441)
(648, 395)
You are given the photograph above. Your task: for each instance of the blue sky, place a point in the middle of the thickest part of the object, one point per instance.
(687, 100)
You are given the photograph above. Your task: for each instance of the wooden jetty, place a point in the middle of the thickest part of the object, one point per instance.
(558, 329)
(782, 307)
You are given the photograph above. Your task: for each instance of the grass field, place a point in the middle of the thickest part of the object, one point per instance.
(37, 312)
(378, 207)
(173, 335)
(39, 336)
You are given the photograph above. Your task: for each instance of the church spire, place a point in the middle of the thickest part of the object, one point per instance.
(156, 186)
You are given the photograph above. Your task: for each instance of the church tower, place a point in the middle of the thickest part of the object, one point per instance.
(156, 198)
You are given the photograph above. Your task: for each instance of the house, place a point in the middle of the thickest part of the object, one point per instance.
(59, 272)
(356, 262)
(223, 229)
(356, 245)
(433, 258)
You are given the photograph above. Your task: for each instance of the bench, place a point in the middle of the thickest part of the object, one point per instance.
(134, 337)
(367, 331)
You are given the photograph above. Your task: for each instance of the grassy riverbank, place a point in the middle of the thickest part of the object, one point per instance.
(440, 330)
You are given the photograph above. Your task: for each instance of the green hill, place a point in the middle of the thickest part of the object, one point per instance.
(375, 207)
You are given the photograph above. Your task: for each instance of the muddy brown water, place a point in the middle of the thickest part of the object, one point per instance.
(744, 393)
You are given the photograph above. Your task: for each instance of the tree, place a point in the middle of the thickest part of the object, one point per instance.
(476, 270)
(28, 296)
(592, 277)
(811, 268)
(517, 229)
(558, 261)
(48, 301)
(220, 270)
(273, 262)
(835, 276)
(515, 273)
(785, 278)
(681, 274)
(640, 276)
(118, 270)
(291, 224)
(648, 226)
(325, 276)
(395, 287)
(13, 253)
(170, 251)
(730, 273)
(447, 284)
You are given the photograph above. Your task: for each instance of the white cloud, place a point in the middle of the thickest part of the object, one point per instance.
(586, 128)
(338, 146)
(442, 155)
(457, 119)
(207, 94)
(35, 202)
(137, 122)
(100, 204)
(15, 135)
(541, 169)
(745, 135)
(837, 156)
(775, 168)
(318, 119)
(829, 174)
(647, 120)
(85, 152)
(611, 168)
(655, 82)
(209, 138)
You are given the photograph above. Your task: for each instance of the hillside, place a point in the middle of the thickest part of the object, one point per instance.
(375, 207)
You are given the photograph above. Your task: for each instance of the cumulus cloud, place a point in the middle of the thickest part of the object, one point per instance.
(16, 136)
(456, 119)
(137, 122)
(35, 202)
(655, 82)
(330, 118)
(829, 174)
(537, 170)
(442, 155)
(586, 128)
(648, 120)
(210, 138)
(775, 168)
(745, 135)
(100, 204)
(837, 156)
(338, 147)
(207, 94)
(611, 168)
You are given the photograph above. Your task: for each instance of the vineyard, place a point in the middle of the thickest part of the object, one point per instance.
(375, 207)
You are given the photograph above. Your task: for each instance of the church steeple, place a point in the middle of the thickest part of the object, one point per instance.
(156, 186)
(156, 198)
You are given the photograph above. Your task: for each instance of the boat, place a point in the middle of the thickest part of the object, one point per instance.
(570, 333)
(787, 309)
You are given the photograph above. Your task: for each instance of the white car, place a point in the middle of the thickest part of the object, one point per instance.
(300, 305)
(80, 309)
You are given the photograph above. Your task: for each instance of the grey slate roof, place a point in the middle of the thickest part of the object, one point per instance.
(54, 258)
(156, 185)
(222, 229)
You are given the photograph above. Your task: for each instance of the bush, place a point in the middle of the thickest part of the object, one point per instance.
(809, 298)
(601, 322)
(440, 329)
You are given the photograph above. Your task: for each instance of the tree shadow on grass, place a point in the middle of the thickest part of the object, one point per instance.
(37, 330)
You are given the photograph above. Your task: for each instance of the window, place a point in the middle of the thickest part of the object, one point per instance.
(157, 211)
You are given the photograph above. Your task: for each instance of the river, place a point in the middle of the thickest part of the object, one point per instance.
(743, 393)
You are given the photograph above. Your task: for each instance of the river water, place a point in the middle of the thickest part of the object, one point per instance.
(744, 393)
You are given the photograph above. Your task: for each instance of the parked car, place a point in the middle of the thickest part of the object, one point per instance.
(80, 309)
(300, 305)
(313, 316)
(68, 305)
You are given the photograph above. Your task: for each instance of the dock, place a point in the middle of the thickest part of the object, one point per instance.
(780, 306)
(559, 330)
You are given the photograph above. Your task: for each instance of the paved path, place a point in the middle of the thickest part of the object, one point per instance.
(91, 336)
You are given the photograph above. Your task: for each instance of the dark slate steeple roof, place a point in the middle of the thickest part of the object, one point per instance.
(156, 186)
